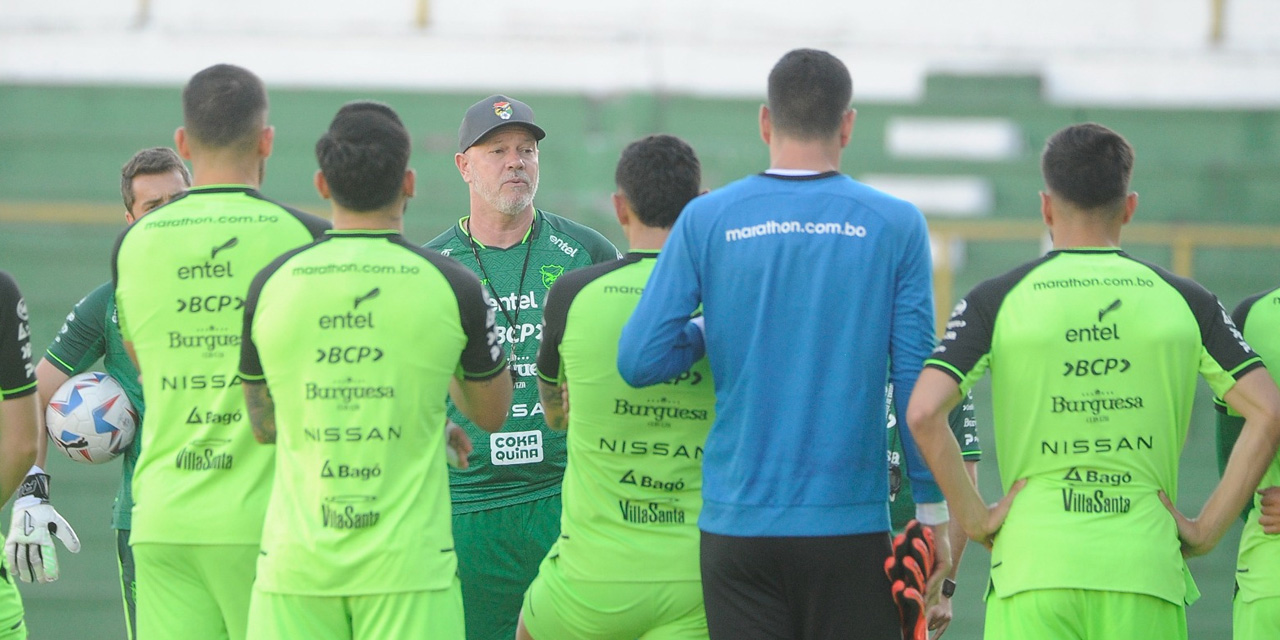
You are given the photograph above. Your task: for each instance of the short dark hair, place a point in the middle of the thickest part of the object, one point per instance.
(148, 162)
(809, 93)
(1088, 165)
(364, 155)
(658, 175)
(224, 106)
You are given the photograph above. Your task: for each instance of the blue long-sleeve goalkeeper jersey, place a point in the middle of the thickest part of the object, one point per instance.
(811, 287)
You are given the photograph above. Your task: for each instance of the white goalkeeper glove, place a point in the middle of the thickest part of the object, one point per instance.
(29, 547)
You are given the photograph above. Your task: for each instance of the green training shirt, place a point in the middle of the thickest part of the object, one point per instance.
(964, 425)
(357, 337)
(633, 488)
(525, 461)
(1258, 562)
(17, 374)
(181, 274)
(1093, 358)
(92, 331)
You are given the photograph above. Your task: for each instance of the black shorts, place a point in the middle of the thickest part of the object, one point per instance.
(798, 588)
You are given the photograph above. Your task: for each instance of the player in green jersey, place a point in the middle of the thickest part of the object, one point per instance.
(19, 428)
(151, 178)
(1093, 356)
(626, 563)
(512, 482)
(902, 505)
(1256, 610)
(350, 346)
(181, 274)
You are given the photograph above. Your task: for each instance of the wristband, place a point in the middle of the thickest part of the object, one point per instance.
(34, 488)
(948, 587)
(932, 514)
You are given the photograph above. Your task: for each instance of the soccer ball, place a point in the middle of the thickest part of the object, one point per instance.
(91, 419)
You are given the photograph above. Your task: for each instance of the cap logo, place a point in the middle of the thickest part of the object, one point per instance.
(502, 110)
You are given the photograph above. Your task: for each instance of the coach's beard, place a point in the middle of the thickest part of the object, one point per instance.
(512, 204)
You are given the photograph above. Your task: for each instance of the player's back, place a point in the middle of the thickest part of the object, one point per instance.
(1258, 566)
(181, 275)
(632, 489)
(358, 337)
(1094, 357)
(809, 285)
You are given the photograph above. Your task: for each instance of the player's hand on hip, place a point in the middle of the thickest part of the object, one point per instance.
(939, 618)
(457, 445)
(996, 513)
(1269, 514)
(1195, 541)
(29, 547)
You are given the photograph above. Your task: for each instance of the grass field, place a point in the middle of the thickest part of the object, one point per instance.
(57, 263)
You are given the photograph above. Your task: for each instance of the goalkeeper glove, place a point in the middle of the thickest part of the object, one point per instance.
(29, 547)
(908, 569)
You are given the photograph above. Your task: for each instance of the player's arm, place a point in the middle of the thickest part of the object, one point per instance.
(935, 394)
(554, 404)
(49, 379)
(659, 341)
(1255, 397)
(483, 402)
(20, 426)
(262, 410)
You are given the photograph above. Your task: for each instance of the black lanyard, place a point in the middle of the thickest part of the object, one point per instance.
(511, 320)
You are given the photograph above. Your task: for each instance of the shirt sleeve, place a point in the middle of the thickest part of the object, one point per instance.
(554, 318)
(482, 357)
(910, 339)
(250, 365)
(17, 374)
(83, 336)
(964, 424)
(659, 342)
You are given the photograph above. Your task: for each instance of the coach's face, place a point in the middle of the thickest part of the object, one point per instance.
(150, 190)
(502, 169)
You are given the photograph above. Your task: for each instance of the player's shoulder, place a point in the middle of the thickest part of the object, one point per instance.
(993, 291)
(565, 230)
(1241, 312)
(568, 286)
(8, 287)
(99, 299)
(313, 223)
(448, 239)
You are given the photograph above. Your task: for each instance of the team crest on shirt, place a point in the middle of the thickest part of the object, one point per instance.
(550, 272)
(502, 110)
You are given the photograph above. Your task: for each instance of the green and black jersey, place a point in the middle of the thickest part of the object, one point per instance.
(181, 275)
(1093, 357)
(634, 480)
(92, 331)
(525, 461)
(17, 374)
(357, 338)
(964, 425)
(1258, 563)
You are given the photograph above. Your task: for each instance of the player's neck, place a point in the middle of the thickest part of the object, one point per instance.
(496, 229)
(1076, 236)
(642, 238)
(378, 220)
(809, 155)
(216, 169)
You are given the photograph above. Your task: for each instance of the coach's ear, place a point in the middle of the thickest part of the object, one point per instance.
(180, 141)
(322, 185)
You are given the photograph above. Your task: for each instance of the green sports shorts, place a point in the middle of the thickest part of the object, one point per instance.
(558, 607)
(1255, 620)
(1070, 614)
(11, 622)
(412, 614)
(194, 592)
(498, 555)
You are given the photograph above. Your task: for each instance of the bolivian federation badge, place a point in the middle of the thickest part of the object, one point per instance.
(502, 110)
(549, 274)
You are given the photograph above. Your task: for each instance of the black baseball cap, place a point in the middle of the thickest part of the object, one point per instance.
(491, 113)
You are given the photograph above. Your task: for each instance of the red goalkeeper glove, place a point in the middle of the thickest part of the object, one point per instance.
(908, 569)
